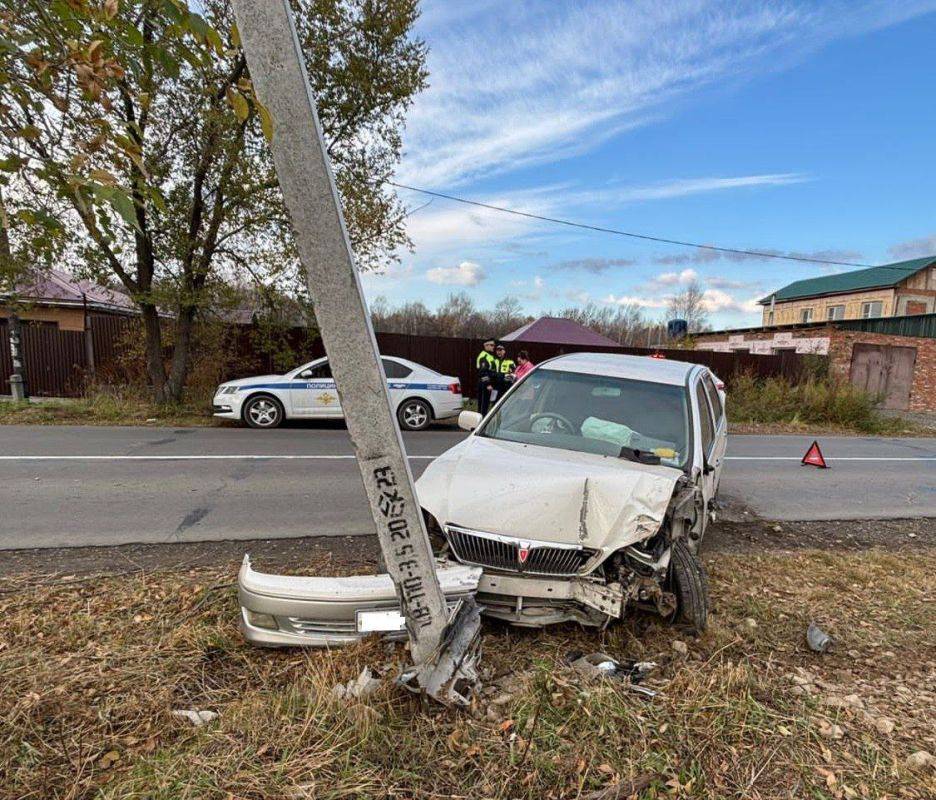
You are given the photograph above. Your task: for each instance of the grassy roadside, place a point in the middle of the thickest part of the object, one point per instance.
(110, 408)
(92, 669)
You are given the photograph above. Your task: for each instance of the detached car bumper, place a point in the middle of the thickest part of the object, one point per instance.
(289, 610)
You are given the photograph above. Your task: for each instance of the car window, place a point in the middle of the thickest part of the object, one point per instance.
(394, 369)
(594, 414)
(714, 398)
(705, 417)
(318, 371)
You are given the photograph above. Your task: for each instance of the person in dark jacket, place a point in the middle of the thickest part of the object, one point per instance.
(486, 365)
(505, 371)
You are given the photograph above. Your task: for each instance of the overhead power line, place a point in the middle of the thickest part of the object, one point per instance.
(629, 234)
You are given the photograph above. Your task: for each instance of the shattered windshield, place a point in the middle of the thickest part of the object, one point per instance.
(595, 414)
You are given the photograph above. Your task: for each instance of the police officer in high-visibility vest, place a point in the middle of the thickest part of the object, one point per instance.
(505, 371)
(486, 365)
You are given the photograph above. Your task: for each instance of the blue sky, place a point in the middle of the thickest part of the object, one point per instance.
(798, 127)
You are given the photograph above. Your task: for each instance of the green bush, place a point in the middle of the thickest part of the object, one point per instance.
(817, 400)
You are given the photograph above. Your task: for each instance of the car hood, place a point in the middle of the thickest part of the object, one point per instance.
(533, 492)
(257, 379)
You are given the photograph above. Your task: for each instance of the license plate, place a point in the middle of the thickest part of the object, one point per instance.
(380, 621)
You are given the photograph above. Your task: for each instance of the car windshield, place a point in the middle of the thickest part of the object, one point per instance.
(595, 414)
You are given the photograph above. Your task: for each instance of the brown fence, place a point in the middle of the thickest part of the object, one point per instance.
(56, 362)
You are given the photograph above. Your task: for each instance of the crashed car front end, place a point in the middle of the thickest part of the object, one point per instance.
(611, 533)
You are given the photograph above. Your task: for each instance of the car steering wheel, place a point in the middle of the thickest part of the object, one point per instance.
(559, 423)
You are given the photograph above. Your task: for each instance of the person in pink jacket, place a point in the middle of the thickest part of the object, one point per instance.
(524, 365)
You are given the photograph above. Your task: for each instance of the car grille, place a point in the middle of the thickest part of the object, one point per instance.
(516, 555)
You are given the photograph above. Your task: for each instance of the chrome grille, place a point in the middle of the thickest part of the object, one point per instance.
(507, 554)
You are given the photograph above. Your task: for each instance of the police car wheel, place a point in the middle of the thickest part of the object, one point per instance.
(263, 411)
(414, 415)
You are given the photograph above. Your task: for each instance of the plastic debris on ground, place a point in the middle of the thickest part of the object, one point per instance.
(364, 684)
(817, 639)
(601, 665)
(197, 718)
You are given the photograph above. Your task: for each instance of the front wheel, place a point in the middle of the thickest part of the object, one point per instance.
(414, 415)
(263, 411)
(688, 581)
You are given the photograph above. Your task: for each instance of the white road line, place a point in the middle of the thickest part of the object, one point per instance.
(276, 457)
(349, 457)
(832, 458)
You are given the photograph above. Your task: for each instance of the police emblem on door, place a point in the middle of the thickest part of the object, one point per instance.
(327, 399)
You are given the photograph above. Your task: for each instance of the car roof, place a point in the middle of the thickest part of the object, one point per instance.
(637, 368)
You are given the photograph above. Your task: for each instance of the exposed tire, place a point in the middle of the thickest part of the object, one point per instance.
(688, 581)
(414, 414)
(263, 411)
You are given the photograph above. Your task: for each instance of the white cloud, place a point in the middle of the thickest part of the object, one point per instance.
(468, 273)
(716, 301)
(914, 248)
(513, 84)
(635, 300)
(685, 277)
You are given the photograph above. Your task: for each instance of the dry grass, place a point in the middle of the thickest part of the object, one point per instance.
(91, 670)
(107, 406)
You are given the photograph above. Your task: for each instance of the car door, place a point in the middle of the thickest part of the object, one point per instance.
(398, 380)
(313, 393)
(709, 475)
(717, 407)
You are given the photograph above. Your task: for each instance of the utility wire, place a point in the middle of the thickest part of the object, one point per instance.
(614, 231)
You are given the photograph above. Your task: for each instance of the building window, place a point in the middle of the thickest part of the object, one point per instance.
(806, 315)
(835, 312)
(915, 307)
(873, 309)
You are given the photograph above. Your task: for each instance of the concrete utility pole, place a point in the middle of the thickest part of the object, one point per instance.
(444, 650)
(18, 378)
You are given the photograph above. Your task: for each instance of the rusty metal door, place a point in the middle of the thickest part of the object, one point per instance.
(884, 371)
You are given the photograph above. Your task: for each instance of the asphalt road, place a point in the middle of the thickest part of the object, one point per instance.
(69, 486)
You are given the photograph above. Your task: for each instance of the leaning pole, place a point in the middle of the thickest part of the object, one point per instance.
(444, 647)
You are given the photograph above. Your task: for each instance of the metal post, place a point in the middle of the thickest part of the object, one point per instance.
(444, 651)
(18, 378)
(88, 337)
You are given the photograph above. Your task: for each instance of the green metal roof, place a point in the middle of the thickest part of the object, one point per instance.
(858, 280)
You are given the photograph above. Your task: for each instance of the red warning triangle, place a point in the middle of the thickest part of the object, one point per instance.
(814, 457)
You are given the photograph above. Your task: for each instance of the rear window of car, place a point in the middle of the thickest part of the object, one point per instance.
(394, 369)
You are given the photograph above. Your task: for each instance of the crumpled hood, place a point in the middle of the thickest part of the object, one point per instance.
(552, 495)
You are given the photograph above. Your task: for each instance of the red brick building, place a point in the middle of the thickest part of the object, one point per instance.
(893, 357)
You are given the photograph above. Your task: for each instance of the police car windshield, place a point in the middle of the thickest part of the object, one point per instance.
(595, 414)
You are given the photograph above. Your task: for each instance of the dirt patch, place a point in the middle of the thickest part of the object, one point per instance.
(740, 532)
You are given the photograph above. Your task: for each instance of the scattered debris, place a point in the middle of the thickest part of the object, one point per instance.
(362, 686)
(817, 639)
(680, 647)
(197, 718)
(749, 624)
(601, 665)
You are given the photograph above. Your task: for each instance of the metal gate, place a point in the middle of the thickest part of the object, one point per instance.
(885, 372)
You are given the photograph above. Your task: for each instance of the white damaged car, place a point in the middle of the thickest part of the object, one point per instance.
(583, 494)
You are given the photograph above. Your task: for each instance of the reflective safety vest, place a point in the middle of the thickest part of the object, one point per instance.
(485, 362)
(506, 365)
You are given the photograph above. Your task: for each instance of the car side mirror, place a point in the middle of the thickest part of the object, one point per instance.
(469, 420)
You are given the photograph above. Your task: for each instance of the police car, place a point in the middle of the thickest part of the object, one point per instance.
(418, 394)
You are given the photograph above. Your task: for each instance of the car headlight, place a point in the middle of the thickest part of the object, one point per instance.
(227, 390)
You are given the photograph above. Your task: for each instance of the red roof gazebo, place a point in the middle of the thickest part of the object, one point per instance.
(558, 330)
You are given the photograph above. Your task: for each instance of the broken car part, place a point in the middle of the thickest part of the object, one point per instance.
(817, 639)
(277, 70)
(293, 610)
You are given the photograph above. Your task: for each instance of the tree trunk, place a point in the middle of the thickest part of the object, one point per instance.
(155, 369)
(181, 354)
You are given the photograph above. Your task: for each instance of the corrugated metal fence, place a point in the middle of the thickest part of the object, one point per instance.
(56, 362)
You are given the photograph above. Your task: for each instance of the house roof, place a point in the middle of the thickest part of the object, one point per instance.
(558, 330)
(884, 276)
(55, 288)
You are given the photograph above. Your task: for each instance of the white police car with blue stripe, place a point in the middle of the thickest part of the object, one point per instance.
(418, 394)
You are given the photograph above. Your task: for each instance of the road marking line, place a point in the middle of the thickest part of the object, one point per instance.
(276, 457)
(832, 458)
(349, 457)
